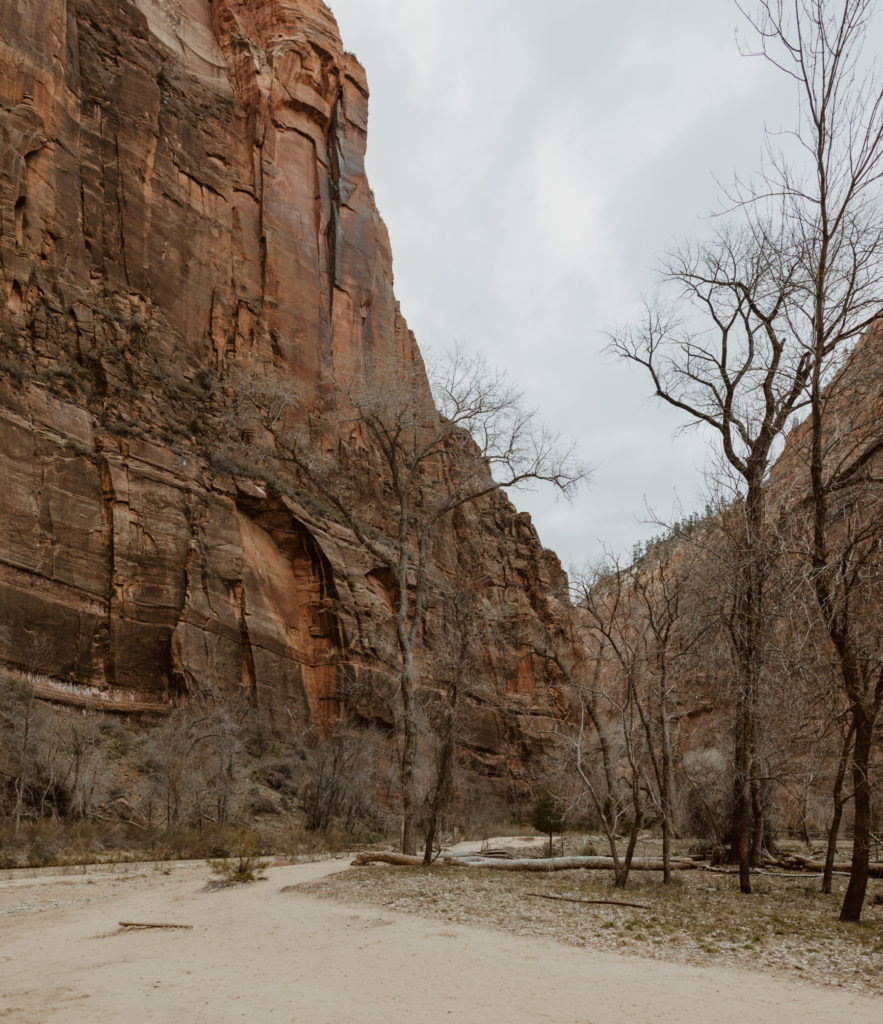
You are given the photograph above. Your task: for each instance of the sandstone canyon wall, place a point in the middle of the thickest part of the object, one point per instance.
(182, 186)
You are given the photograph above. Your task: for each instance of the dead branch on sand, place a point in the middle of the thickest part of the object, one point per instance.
(144, 924)
(573, 899)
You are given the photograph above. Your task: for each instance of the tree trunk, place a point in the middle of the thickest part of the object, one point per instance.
(606, 809)
(666, 850)
(759, 822)
(429, 840)
(804, 810)
(622, 876)
(839, 801)
(667, 794)
(444, 776)
(854, 899)
(409, 756)
(748, 636)
(409, 780)
(742, 802)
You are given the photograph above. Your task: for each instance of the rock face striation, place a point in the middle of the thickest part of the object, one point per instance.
(182, 186)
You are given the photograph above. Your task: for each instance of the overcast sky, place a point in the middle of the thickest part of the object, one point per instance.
(531, 162)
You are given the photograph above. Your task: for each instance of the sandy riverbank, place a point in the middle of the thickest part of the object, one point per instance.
(256, 953)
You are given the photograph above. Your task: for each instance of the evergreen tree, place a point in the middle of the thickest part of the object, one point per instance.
(548, 814)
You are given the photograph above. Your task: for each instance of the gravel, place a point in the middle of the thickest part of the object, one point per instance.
(787, 925)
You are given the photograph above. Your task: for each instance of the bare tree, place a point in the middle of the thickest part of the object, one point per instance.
(191, 761)
(454, 665)
(729, 367)
(839, 799)
(379, 436)
(847, 575)
(829, 200)
(639, 622)
(603, 741)
(339, 785)
(22, 762)
(51, 758)
(669, 637)
(609, 601)
(592, 756)
(785, 294)
(70, 776)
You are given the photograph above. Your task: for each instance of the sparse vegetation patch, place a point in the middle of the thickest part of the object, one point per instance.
(699, 918)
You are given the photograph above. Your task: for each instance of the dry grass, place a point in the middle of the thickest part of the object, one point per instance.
(786, 925)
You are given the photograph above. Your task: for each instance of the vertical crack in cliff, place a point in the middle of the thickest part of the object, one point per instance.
(18, 216)
(108, 500)
(249, 676)
(87, 244)
(204, 575)
(333, 153)
(28, 190)
(148, 172)
(183, 679)
(258, 187)
(196, 517)
(121, 203)
(45, 492)
(192, 547)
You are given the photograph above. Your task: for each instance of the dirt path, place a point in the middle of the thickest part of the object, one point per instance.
(258, 954)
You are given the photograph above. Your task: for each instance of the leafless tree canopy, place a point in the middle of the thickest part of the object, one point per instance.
(393, 466)
(760, 325)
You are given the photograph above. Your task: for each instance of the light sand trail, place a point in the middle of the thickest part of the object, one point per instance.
(260, 955)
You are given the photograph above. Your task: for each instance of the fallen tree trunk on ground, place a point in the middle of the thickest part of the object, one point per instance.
(797, 862)
(400, 859)
(543, 864)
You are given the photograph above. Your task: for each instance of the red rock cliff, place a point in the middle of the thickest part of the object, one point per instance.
(181, 184)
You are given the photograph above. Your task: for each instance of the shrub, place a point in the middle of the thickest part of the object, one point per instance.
(244, 865)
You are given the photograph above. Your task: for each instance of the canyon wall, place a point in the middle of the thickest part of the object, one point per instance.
(182, 188)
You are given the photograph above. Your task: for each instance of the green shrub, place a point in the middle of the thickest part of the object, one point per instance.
(244, 865)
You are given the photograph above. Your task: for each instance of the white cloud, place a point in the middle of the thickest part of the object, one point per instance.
(530, 163)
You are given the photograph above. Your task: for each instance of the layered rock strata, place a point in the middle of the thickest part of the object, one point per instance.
(182, 187)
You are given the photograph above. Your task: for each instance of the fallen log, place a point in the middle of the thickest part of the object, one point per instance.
(542, 864)
(798, 862)
(573, 899)
(794, 876)
(400, 859)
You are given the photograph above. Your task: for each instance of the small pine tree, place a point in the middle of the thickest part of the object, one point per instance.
(548, 814)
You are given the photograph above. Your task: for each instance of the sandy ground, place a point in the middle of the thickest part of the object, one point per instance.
(259, 954)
